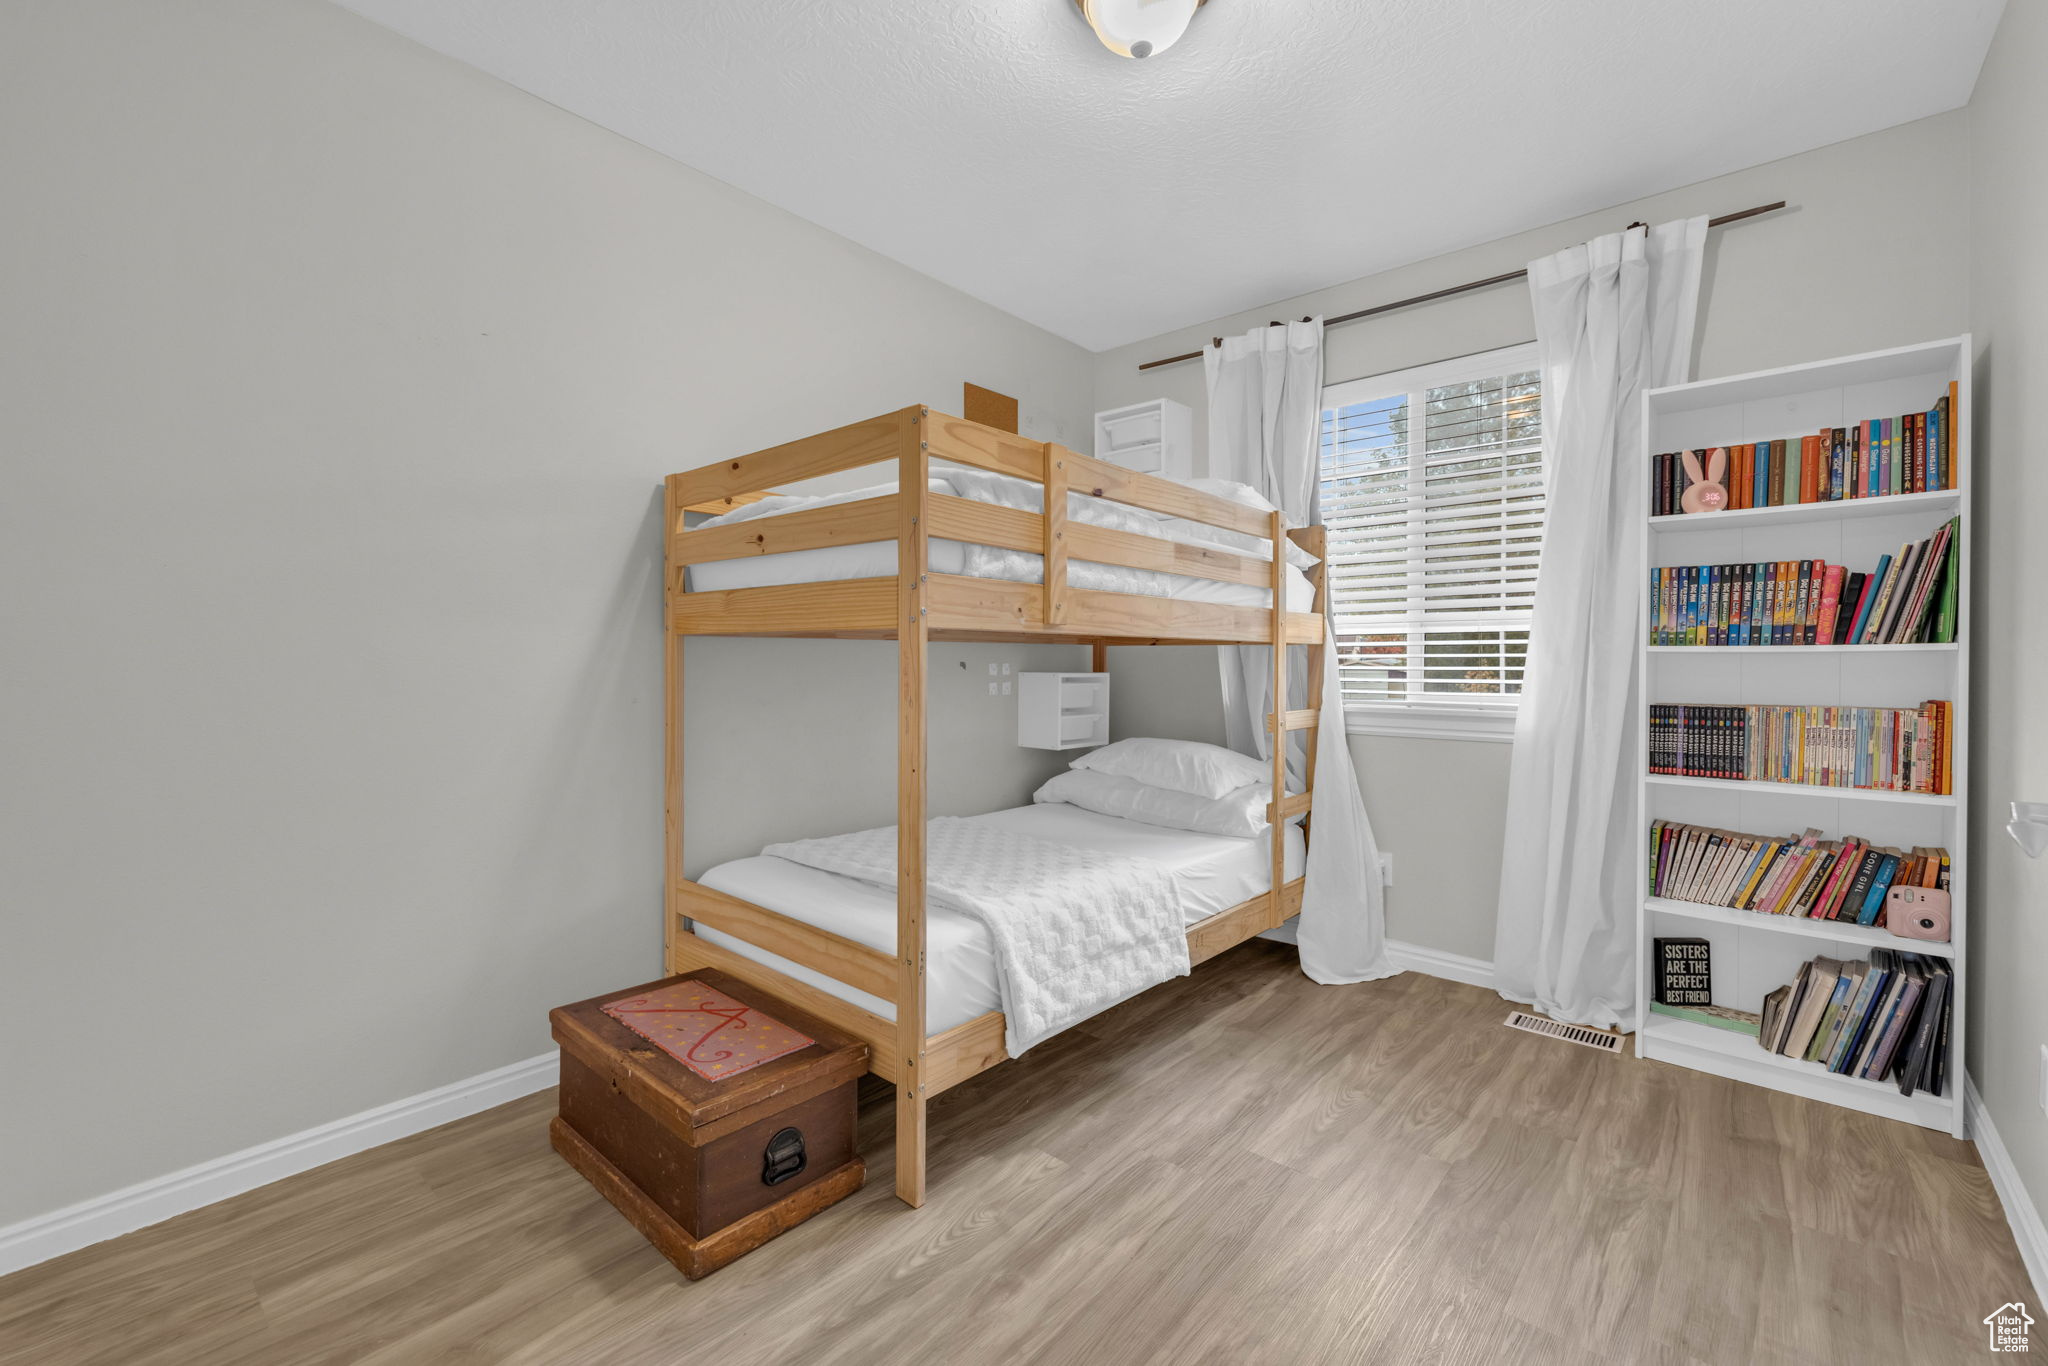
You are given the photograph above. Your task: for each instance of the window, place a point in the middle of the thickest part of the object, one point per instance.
(1432, 491)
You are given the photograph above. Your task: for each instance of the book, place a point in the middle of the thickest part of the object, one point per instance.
(1851, 596)
(1887, 1045)
(1720, 1017)
(1789, 1009)
(1875, 976)
(1822, 976)
(1881, 1012)
(1830, 604)
(1683, 972)
(1869, 458)
(1881, 1018)
(1847, 980)
(1916, 1071)
(1880, 981)
(1771, 1017)
(1891, 749)
(1868, 599)
(1880, 883)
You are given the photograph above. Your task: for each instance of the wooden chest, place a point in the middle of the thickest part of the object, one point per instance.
(707, 1169)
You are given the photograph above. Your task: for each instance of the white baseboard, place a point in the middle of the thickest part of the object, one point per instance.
(1437, 963)
(2020, 1212)
(148, 1202)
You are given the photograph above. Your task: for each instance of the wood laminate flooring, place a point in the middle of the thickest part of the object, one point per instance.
(1239, 1167)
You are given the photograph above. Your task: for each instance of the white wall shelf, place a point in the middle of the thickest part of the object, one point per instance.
(1153, 437)
(1062, 711)
(1753, 953)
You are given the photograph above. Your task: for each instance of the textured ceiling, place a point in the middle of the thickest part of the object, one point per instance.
(1282, 146)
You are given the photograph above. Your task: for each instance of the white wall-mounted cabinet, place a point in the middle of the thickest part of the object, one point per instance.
(1153, 437)
(1062, 711)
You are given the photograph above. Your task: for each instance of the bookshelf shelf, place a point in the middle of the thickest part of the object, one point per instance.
(1752, 953)
(1729, 1054)
(1847, 509)
(1854, 794)
(1765, 651)
(1833, 931)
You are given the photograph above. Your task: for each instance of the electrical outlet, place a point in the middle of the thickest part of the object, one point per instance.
(991, 668)
(1006, 670)
(1386, 870)
(1007, 685)
(991, 690)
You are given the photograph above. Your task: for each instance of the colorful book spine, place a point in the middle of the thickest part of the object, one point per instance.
(1830, 604)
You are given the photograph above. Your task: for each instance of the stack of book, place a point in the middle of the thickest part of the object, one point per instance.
(1884, 1017)
(1907, 599)
(1911, 454)
(1889, 749)
(1796, 875)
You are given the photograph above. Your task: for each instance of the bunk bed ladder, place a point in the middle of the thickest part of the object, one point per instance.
(1282, 721)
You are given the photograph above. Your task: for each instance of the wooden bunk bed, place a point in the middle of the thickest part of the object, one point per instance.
(915, 607)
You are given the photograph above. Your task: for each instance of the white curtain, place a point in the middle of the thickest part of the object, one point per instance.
(1265, 419)
(1613, 317)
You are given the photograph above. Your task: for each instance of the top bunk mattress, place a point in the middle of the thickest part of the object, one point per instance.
(1211, 873)
(877, 559)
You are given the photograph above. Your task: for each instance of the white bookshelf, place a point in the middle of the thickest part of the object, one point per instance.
(1752, 953)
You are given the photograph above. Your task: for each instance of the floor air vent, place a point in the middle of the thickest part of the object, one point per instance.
(1591, 1038)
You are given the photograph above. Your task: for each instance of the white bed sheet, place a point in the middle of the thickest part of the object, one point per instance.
(877, 559)
(1211, 872)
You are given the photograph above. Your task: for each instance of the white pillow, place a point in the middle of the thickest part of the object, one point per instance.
(1231, 491)
(1241, 813)
(1182, 765)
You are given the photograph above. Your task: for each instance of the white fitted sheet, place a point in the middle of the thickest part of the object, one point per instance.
(877, 559)
(1211, 872)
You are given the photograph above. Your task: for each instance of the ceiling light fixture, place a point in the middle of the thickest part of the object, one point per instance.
(1138, 28)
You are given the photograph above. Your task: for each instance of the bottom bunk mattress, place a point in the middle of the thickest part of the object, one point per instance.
(1211, 873)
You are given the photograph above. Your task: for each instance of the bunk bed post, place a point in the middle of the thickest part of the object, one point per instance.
(1054, 518)
(913, 634)
(672, 728)
(1316, 541)
(1276, 719)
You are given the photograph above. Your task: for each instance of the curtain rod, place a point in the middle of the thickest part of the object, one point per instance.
(1436, 294)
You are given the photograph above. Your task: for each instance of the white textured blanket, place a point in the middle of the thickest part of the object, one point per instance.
(1075, 931)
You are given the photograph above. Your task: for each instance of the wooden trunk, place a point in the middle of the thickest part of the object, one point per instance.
(703, 1168)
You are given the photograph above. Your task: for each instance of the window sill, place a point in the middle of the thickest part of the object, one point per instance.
(1418, 724)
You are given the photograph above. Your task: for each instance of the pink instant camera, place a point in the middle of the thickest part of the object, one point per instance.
(1917, 912)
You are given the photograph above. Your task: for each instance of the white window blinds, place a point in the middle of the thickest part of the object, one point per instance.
(1432, 492)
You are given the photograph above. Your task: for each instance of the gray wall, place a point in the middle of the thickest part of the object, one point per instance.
(337, 381)
(2009, 651)
(1832, 274)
